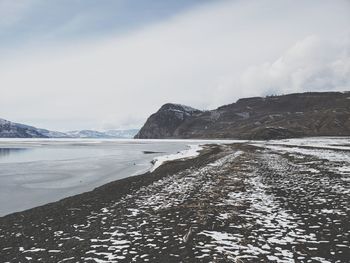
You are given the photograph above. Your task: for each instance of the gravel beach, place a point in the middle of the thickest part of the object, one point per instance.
(233, 203)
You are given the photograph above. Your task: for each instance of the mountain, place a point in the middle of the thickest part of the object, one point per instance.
(85, 134)
(272, 117)
(53, 134)
(165, 122)
(121, 134)
(10, 129)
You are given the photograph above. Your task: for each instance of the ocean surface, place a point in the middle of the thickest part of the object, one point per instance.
(35, 172)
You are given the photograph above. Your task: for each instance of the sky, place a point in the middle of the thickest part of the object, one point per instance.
(91, 64)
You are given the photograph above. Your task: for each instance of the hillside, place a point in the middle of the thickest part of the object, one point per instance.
(110, 134)
(274, 117)
(10, 129)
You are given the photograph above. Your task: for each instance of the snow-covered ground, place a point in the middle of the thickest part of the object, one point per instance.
(336, 150)
(341, 143)
(191, 152)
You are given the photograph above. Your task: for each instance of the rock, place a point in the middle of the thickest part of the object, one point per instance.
(272, 117)
(165, 121)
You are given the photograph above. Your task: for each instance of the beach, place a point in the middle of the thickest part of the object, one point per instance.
(252, 202)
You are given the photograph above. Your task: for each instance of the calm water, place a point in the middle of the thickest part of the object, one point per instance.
(35, 172)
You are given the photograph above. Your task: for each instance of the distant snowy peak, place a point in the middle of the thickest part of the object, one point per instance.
(123, 134)
(3, 121)
(10, 129)
(127, 134)
(53, 134)
(85, 134)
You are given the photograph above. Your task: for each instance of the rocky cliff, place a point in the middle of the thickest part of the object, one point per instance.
(273, 117)
(166, 121)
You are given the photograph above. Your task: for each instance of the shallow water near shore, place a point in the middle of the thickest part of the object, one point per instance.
(34, 172)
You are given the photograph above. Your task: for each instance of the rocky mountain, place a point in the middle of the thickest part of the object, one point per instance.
(85, 134)
(10, 129)
(53, 134)
(165, 122)
(120, 134)
(123, 134)
(272, 117)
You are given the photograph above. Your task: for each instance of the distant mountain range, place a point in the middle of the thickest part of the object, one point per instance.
(272, 117)
(106, 134)
(10, 129)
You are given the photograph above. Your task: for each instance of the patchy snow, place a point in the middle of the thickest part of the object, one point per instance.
(224, 160)
(334, 143)
(335, 150)
(186, 108)
(4, 122)
(192, 152)
(251, 205)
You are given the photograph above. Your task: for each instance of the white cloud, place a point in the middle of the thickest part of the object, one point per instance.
(206, 57)
(310, 65)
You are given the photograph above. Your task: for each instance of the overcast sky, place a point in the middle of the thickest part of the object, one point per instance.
(90, 64)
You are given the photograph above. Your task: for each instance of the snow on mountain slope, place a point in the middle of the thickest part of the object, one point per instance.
(10, 129)
(99, 134)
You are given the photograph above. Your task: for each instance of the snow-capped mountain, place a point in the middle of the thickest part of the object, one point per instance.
(53, 134)
(106, 134)
(85, 134)
(130, 133)
(10, 129)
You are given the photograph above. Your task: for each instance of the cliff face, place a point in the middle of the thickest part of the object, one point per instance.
(166, 121)
(275, 117)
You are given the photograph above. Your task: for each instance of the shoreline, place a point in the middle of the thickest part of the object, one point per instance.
(45, 172)
(65, 212)
(232, 202)
(140, 179)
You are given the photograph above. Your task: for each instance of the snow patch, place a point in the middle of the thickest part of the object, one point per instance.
(192, 152)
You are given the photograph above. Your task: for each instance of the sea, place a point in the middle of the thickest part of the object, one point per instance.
(35, 172)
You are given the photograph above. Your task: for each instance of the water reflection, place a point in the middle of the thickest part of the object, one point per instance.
(5, 152)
